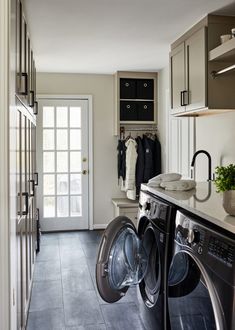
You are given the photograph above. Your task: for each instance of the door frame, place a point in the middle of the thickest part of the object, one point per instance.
(5, 250)
(90, 144)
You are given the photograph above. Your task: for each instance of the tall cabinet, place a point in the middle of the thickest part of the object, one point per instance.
(26, 107)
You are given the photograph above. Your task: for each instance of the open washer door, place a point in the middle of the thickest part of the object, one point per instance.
(122, 260)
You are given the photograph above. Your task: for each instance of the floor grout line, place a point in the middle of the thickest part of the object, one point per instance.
(62, 285)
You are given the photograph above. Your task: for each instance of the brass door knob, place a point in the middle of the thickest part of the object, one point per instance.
(84, 172)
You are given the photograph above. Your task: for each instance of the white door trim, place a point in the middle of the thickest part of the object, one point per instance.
(4, 165)
(90, 144)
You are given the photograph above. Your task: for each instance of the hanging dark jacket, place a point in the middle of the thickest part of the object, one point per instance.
(139, 174)
(121, 160)
(157, 157)
(149, 154)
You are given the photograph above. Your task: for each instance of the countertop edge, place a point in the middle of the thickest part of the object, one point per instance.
(160, 192)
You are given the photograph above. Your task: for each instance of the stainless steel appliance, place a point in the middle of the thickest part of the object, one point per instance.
(128, 256)
(201, 283)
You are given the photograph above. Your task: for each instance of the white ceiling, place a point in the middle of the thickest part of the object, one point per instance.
(103, 36)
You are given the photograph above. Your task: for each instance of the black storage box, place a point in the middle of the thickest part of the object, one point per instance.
(127, 88)
(144, 89)
(145, 111)
(128, 111)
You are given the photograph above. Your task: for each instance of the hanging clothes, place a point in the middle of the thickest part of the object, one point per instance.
(138, 161)
(158, 157)
(152, 155)
(149, 163)
(131, 157)
(139, 173)
(121, 160)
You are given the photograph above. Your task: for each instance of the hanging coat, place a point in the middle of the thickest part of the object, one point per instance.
(131, 157)
(149, 152)
(157, 157)
(139, 173)
(121, 160)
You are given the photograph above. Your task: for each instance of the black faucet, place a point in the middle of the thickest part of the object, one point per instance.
(209, 161)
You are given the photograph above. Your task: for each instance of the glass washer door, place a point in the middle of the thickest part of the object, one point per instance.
(122, 260)
(192, 300)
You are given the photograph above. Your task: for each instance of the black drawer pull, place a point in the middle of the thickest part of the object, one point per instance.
(33, 186)
(35, 111)
(24, 84)
(18, 203)
(31, 99)
(26, 211)
(36, 179)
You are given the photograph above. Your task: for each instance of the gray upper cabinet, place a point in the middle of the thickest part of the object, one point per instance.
(195, 88)
(177, 67)
(188, 74)
(195, 49)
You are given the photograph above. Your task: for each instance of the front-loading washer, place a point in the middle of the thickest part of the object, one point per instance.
(201, 283)
(128, 256)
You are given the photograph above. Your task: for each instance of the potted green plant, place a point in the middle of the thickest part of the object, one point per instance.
(225, 183)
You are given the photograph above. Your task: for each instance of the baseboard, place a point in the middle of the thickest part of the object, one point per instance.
(100, 226)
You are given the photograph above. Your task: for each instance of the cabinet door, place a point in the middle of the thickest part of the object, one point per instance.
(35, 107)
(177, 77)
(21, 226)
(195, 48)
(23, 57)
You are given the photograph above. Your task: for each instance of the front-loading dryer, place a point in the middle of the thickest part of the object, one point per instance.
(201, 283)
(128, 256)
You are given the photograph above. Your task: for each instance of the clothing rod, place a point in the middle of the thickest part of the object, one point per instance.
(217, 73)
(141, 129)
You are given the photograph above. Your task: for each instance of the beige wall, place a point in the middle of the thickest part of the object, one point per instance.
(104, 143)
(214, 133)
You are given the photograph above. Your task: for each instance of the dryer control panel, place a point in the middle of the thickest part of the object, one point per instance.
(161, 214)
(221, 250)
(214, 249)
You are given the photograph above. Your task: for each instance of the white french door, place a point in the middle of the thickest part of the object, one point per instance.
(63, 165)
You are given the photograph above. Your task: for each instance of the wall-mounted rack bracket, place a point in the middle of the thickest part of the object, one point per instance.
(130, 128)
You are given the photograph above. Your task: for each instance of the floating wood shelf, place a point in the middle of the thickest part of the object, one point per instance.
(224, 52)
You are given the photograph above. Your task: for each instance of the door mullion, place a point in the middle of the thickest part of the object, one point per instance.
(55, 139)
(69, 162)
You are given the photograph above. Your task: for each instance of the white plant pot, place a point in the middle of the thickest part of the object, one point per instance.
(229, 201)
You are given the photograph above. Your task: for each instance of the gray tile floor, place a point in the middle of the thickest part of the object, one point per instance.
(64, 294)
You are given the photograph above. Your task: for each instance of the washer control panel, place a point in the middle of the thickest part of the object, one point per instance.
(221, 250)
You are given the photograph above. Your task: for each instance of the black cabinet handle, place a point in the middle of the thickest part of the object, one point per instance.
(26, 195)
(33, 186)
(35, 111)
(181, 98)
(36, 179)
(31, 99)
(18, 203)
(183, 103)
(24, 84)
(186, 94)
